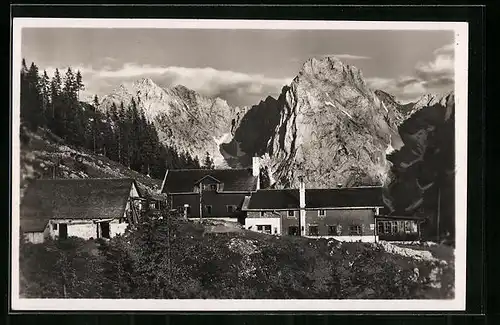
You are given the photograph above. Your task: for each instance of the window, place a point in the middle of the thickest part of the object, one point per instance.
(387, 227)
(380, 228)
(355, 230)
(321, 213)
(208, 208)
(291, 213)
(332, 230)
(262, 213)
(54, 226)
(313, 230)
(264, 228)
(275, 230)
(395, 228)
(407, 227)
(213, 187)
(230, 208)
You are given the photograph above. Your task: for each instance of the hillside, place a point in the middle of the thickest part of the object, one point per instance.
(173, 258)
(44, 155)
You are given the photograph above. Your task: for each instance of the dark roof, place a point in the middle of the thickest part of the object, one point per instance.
(183, 180)
(73, 199)
(344, 197)
(275, 199)
(318, 198)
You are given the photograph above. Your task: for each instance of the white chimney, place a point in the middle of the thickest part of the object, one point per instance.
(256, 170)
(302, 192)
(302, 205)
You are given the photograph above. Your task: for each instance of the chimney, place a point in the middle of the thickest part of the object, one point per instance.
(302, 192)
(256, 170)
(302, 206)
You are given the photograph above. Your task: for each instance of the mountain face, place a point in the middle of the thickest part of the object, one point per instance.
(401, 111)
(423, 169)
(184, 119)
(253, 132)
(327, 126)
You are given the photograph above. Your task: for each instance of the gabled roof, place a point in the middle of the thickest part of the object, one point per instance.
(317, 198)
(73, 199)
(207, 177)
(184, 180)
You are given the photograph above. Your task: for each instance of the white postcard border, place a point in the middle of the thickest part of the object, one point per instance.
(461, 70)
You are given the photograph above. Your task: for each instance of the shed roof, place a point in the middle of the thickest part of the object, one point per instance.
(73, 199)
(370, 196)
(183, 180)
(317, 198)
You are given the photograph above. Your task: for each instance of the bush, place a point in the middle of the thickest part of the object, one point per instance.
(172, 258)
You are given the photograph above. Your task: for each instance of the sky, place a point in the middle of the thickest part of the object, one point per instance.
(242, 66)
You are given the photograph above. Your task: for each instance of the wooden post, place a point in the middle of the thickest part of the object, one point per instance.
(438, 214)
(201, 201)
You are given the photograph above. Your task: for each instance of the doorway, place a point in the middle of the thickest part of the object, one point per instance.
(293, 231)
(105, 229)
(63, 231)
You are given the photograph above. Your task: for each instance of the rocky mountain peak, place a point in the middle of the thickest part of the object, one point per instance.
(330, 68)
(426, 100)
(382, 95)
(145, 82)
(331, 127)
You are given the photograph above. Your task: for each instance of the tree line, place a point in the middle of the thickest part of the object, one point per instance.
(122, 133)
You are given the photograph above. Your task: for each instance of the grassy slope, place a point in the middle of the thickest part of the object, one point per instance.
(44, 149)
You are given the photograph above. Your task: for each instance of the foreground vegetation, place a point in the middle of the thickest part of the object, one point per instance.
(172, 258)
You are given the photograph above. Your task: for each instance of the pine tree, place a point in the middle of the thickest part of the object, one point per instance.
(122, 134)
(95, 103)
(31, 111)
(55, 121)
(45, 95)
(208, 162)
(79, 86)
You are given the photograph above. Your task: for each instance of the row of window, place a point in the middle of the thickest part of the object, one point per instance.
(266, 229)
(397, 227)
(336, 230)
(207, 187)
(313, 230)
(208, 209)
(291, 213)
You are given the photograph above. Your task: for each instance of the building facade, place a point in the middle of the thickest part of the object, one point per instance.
(85, 208)
(347, 214)
(211, 193)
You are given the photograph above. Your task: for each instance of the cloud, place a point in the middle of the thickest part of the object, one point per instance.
(349, 56)
(434, 76)
(448, 49)
(237, 88)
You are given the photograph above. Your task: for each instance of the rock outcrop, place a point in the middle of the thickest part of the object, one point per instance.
(184, 119)
(423, 169)
(332, 129)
